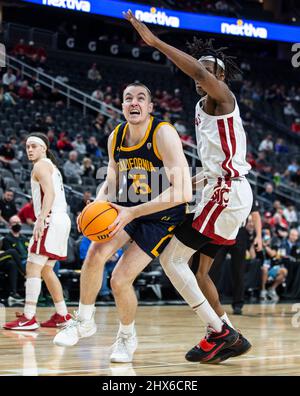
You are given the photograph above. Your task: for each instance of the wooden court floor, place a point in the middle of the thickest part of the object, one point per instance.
(165, 333)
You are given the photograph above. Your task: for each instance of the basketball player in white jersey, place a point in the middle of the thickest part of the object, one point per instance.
(50, 236)
(227, 197)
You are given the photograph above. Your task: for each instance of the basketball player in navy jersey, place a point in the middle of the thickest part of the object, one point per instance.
(227, 197)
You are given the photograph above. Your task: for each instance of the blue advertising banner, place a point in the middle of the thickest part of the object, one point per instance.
(180, 20)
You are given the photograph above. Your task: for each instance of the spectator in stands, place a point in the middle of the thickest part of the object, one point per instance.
(281, 147)
(266, 144)
(292, 168)
(8, 77)
(107, 102)
(7, 206)
(290, 247)
(180, 127)
(94, 74)
(26, 214)
(15, 240)
(25, 91)
(290, 215)
(79, 145)
(221, 6)
(92, 148)
(38, 93)
(99, 124)
(111, 123)
(71, 168)
(271, 269)
(52, 139)
(8, 154)
(42, 54)
(98, 94)
(295, 178)
(31, 50)
(87, 168)
(64, 144)
(49, 123)
(11, 90)
(289, 110)
(20, 49)
(57, 97)
(86, 199)
(39, 124)
(6, 97)
(262, 165)
(295, 127)
(269, 194)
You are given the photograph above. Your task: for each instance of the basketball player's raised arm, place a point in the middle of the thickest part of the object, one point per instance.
(42, 172)
(215, 88)
(107, 191)
(177, 169)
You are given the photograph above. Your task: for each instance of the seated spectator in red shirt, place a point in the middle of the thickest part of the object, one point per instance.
(20, 48)
(31, 50)
(295, 127)
(25, 91)
(26, 214)
(42, 54)
(64, 143)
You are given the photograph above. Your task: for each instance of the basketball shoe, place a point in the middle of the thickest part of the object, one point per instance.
(241, 347)
(56, 320)
(75, 329)
(213, 343)
(22, 323)
(124, 348)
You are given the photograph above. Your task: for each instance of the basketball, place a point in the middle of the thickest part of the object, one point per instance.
(95, 219)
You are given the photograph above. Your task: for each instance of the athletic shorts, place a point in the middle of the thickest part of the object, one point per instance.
(273, 272)
(54, 242)
(152, 236)
(224, 207)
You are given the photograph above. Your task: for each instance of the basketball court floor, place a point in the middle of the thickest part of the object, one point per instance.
(165, 334)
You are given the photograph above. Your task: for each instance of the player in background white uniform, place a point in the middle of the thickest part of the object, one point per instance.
(227, 197)
(50, 236)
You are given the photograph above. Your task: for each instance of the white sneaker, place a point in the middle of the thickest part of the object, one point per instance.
(74, 330)
(263, 295)
(273, 295)
(124, 348)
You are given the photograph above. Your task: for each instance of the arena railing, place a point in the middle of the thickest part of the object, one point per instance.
(71, 93)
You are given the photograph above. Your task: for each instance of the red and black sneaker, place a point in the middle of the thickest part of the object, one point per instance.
(211, 346)
(56, 320)
(241, 347)
(22, 323)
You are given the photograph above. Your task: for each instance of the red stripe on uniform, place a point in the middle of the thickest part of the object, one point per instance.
(198, 222)
(43, 251)
(225, 147)
(233, 144)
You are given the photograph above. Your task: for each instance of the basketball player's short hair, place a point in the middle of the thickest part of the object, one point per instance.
(199, 48)
(139, 84)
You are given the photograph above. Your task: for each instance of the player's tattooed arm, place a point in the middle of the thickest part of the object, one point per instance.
(215, 88)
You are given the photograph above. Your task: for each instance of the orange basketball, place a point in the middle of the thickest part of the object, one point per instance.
(94, 220)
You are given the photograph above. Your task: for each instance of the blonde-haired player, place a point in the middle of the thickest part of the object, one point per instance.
(50, 236)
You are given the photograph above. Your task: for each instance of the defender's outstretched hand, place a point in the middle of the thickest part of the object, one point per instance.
(141, 28)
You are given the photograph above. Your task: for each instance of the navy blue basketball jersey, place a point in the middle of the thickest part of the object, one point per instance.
(142, 176)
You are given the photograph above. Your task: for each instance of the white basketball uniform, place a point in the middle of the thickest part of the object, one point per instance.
(54, 242)
(227, 198)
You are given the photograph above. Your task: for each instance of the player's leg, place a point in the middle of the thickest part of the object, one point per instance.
(90, 283)
(61, 316)
(27, 321)
(131, 264)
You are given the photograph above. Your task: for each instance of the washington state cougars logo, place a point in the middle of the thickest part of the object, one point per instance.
(220, 195)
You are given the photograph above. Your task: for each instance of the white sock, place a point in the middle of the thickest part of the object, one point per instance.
(226, 320)
(33, 289)
(208, 315)
(85, 312)
(61, 308)
(127, 329)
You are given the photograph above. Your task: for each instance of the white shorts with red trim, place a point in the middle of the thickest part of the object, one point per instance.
(54, 242)
(224, 206)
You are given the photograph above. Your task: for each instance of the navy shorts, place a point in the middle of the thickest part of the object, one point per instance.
(153, 233)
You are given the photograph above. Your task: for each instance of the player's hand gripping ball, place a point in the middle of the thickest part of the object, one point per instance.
(95, 219)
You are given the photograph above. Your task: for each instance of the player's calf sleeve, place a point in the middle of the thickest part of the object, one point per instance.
(33, 289)
(174, 261)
